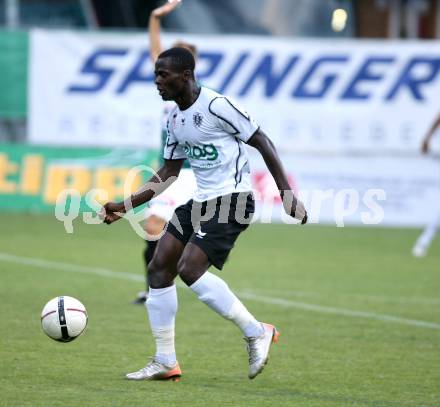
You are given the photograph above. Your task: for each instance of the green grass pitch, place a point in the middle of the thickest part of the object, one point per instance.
(350, 304)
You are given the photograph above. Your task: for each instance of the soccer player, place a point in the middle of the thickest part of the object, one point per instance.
(209, 130)
(161, 209)
(421, 247)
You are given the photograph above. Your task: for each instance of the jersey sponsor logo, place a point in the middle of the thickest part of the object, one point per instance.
(345, 76)
(197, 119)
(205, 152)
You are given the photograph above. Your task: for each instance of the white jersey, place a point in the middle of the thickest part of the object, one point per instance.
(168, 106)
(178, 193)
(211, 134)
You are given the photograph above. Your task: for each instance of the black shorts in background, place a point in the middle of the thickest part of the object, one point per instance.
(213, 225)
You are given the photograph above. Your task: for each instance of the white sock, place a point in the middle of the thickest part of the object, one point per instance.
(162, 308)
(428, 234)
(216, 294)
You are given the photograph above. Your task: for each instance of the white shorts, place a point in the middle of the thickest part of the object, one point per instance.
(179, 193)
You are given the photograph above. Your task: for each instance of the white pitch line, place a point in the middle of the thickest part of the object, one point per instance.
(54, 265)
(337, 311)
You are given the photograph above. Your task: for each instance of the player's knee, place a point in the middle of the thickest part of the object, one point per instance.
(188, 271)
(157, 273)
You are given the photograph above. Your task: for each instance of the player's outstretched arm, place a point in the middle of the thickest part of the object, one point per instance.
(154, 27)
(427, 139)
(165, 176)
(293, 206)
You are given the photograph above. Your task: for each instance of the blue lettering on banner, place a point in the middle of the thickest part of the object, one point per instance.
(135, 75)
(233, 71)
(409, 79)
(264, 71)
(364, 74)
(324, 72)
(102, 75)
(213, 59)
(302, 92)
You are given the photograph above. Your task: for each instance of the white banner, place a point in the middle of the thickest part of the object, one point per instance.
(338, 190)
(308, 95)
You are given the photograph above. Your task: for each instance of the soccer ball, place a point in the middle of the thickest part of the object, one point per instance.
(64, 318)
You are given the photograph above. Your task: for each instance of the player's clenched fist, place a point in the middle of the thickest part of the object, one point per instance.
(300, 212)
(293, 206)
(112, 211)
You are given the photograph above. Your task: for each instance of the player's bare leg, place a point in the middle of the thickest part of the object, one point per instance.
(421, 247)
(162, 308)
(215, 293)
(163, 268)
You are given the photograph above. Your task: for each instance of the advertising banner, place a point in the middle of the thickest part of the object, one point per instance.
(341, 190)
(32, 178)
(336, 190)
(342, 96)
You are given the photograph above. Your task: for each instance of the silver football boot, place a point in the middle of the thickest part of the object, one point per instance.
(258, 349)
(157, 371)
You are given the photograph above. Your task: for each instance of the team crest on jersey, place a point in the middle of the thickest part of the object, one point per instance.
(197, 119)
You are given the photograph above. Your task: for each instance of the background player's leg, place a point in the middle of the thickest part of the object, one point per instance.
(147, 255)
(153, 226)
(424, 241)
(150, 247)
(214, 292)
(162, 297)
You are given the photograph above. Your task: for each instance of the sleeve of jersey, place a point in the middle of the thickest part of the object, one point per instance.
(233, 119)
(172, 150)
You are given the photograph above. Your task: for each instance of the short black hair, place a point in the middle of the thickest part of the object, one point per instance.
(181, 58)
